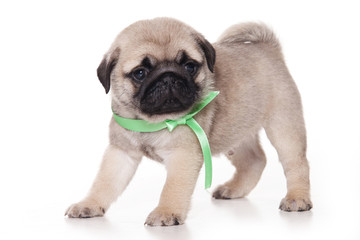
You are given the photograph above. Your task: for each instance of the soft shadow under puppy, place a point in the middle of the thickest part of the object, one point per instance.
(241, 207)
(296, 219)
(180, 232)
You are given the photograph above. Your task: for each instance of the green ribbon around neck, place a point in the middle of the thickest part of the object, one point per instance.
(137, 125)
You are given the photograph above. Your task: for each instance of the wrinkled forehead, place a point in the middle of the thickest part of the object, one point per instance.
(131, 56)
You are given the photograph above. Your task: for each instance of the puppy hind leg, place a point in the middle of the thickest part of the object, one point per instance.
(249, 161)
(287, 134)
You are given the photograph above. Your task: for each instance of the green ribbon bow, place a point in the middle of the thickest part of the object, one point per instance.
(144, 126)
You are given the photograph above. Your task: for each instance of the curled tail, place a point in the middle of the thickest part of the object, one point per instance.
(250, 32)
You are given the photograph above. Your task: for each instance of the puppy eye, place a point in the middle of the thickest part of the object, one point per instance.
(191, 68)
(139, 74)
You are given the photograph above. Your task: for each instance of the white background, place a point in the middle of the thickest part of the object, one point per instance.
(54, 121)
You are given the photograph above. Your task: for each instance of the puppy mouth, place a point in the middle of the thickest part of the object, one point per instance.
(169, 106)
(169, 93)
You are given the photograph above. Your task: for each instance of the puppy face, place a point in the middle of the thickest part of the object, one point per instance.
(157, 69)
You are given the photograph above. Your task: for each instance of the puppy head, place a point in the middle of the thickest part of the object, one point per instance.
(157, 69)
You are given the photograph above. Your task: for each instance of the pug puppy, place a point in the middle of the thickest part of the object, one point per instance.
(158, 70)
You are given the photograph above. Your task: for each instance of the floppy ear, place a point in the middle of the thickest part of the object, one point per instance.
(105, 68)
(208, 50)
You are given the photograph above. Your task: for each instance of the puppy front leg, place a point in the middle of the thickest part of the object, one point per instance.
(116, 171)
(182, 173)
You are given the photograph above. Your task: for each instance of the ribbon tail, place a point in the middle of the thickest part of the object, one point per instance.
(205, 147)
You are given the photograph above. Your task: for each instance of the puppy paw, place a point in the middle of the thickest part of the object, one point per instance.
(295, 204)
(226, 191)
(160, 217)
(85, 209)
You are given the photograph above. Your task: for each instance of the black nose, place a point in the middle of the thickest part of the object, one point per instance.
(162, 73)
(167, 86)
(172, 82)
(168, 80)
